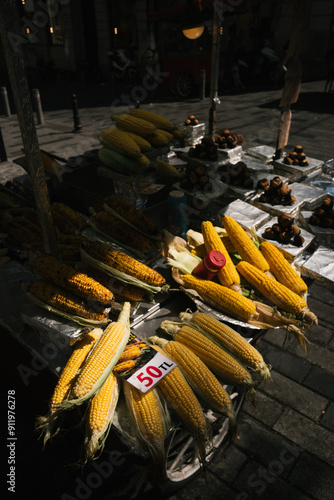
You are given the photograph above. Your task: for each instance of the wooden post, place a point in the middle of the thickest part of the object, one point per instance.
(217, 15)
(12, 39)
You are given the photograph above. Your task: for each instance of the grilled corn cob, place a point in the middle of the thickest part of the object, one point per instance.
(131, 214)
(46, 424)
(203, 381)
(69, 214)
(102, 359)
(119, 231)
(217, 359)
(62, 300)
(274, 291)
(159, 121)
(100, 416)
(131, 352)
(228, 275)
(134, 124)
(282, 269)
(68, 278)
(124, 366)
(244, 245)
(227, 299)
(124, 263)
(228, 339)
(120, 141)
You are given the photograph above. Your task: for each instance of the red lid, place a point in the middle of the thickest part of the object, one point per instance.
(215, 260)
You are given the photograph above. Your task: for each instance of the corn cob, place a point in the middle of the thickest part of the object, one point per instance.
(117, 161)
(131, 214)
(181, 397)
(125, 235)
(228, 275)
(227, 299)
(217, 359)
(167, 134)
(68, 278)
(103, 358)
(62, 300)
(50, 165)
(159, 121)
(69, 214)
(124, 366)
(149, 421)
(143, 161)
(131, 353)
(124, 263)
(100, 416)
(282, 269)
(134, 124)
(277, 293)
(167, 169)
(69, 252)
(22, 235)
(228, 339)
(120, 142)
(143, 144)
(178, 134)
(203, 381)
(80, 352)
(244, 245)
(70, 239)
(158, 140)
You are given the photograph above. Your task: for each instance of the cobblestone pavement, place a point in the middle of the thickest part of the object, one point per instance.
(285, 442)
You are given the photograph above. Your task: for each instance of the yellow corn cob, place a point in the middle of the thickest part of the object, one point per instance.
(68, 278)
(116, 228)
(50, 165)
(168, 135)
(120, 142)
(159, 121)
(134, 124)
(167, 169)
(228, 339)
(80, 352)
(282, 269)
(69, 214)
(62, 300)
(69, 252)
(181, 397)
(124, 366)
(230, 301)
(274, 291)
(178, 134)
(217, 359)
(100, 416)
(149, 423)
(143, 161)
(132, 214)
(103, 358)
(244, 245)
(158, 140)
(22, 235)
(124, 263)
(131, 353)
(203, 381)
(228, 275)
(143, 144)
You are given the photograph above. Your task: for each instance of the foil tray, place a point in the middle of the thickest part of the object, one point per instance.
(201, 198)
(246, 194)
(314, 164)
(323, 181)
(263, 152)
(320, 266)
(311, 195)
(247, 215)
(276, 210)
(255, 165)
(210, 165)
(325, 235)
(290, 251)
(233, 153)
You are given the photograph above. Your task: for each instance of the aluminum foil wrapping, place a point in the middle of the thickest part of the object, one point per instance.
(311, 196)
(193, 134)
(320, 266)
(323, 181)
(234, 153)
(247, 215)
(263, 152)
(313, 166)
(255, 164)
(324, 235)
(247, 193)
(276, 210)
(200, 199)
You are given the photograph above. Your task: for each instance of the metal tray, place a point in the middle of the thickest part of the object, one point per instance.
(246, 214)
(320, 266)
(324, 235)
(314, 164)
(263, 152)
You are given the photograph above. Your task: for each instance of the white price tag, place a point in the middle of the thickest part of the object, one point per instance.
(150, 374)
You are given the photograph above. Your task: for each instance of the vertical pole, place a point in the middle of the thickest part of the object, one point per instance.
(38, 106)
(3, 155)
(5, 102)
(10, 31)
(76, 117)
(202, 85)
(217, 16)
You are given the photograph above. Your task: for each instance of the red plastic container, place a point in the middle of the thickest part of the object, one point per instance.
(208, 268)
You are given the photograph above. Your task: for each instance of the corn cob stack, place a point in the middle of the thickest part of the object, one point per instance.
(244, 245)
(228, 275)
(282, 269)
(47, 424)
(228, 339)
(64, 302)
(67, 277)
(102, 359)
(166, 169)
(200, 378)
(100, 416)
(277, 293)
(134, 124)
(160, 122)
(67, 219)
(226, 299)
(119, 141)
(143, 144)
(121, 233)
(223, 364)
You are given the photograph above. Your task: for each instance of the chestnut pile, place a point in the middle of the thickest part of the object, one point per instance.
(191, 120)
(284, 231)
(196, 178)
(228, 140)
(237, 175)
(296, 157)
(275, 192)
(323, 216)
(205, 150)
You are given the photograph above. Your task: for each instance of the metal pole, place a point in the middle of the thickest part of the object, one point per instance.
(5, 102)
(202, 85)
(76, 117)
(38, 106)
(217, 16)
(10, 32)
(3, 155)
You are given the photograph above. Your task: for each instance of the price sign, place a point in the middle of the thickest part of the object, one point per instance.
(151, 373)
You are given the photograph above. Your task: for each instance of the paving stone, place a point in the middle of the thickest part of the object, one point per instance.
(265, 409)
(320, 381)
(291, 394)
(305, 433)
(316, 355)
(314, 477)
(328, 418)
(275, 336)
(327, 295)
(325, 312)
(320, 334)
(284, 362)
(228, 462)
